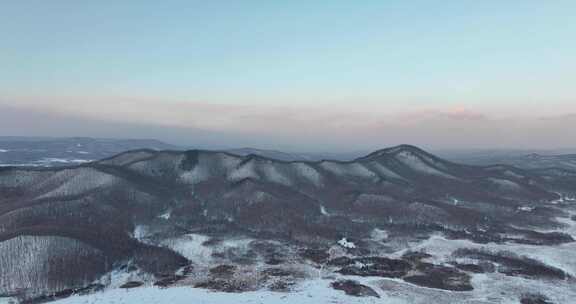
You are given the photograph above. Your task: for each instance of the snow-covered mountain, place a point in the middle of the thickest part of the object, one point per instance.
(50, 152)
(299, 156)
(562, 159)
(213, 219)
(536, 161)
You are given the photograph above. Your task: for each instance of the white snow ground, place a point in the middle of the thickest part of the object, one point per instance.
(488, 288)
(310, 292)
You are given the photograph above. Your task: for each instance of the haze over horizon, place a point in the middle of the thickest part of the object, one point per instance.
(298, 75)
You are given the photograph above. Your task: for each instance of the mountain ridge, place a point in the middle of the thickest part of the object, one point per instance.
(385, 152)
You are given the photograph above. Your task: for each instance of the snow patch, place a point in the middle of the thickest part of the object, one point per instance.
(526, 208)
(379, 235)
(561, 256)
(271, 173)
(346, 244)
(415, 163)
(166, 215)
(259, 197)
(73, 182)
(384, 171)
(246, 170)
(505, 184)
(141, 232)
(349, 169)
(48, 160)
(309, 292)
(309, 173)
(196, 175)
(117, 278)
(191, 247)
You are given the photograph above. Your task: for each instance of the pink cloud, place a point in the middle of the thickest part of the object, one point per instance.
(323, 127)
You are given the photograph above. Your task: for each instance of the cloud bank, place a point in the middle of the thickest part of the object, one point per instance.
(305, 128)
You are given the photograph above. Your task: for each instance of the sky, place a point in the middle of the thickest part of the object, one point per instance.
(292, 75)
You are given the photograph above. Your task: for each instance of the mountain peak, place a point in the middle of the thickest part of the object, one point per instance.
(404, 148)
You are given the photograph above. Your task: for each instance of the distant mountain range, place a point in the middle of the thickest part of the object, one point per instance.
(45, 151)
(521, 159)
(89, 220)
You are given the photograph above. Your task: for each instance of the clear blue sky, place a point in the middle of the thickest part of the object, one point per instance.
(490, 55)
